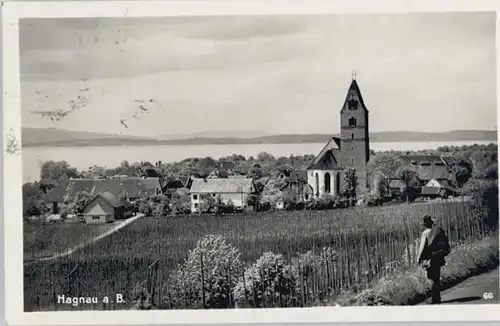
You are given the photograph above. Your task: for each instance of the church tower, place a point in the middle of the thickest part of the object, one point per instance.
(354, 134)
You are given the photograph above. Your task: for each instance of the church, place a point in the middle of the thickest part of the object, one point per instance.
(351, 150)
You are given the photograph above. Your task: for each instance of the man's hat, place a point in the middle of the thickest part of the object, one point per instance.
(427, 219)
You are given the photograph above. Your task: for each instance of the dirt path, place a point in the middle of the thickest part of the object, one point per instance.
(480, 289)
(114, 229)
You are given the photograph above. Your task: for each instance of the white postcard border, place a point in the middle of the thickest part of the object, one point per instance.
(15, 315)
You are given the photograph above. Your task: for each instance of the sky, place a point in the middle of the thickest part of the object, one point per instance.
(260, 74)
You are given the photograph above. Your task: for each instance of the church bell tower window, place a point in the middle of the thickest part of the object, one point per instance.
(352, 122)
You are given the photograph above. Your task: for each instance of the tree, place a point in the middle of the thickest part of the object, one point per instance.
(180, 204)
(124, 165)
(379, 186)
(160, 205)
(57, 171)
(349, 183)
(491, 173)
(81, 199)
(461, 172)
(209, 204)
(412, 182)
(31, 198)
(256, 171)
(270, 193)
(386, 163)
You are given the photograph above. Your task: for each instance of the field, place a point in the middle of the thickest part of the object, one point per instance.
(368, 240)
(45, 239)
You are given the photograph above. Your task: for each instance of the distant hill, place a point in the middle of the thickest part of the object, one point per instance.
(58, 137)
(385, 136)
(217, 134)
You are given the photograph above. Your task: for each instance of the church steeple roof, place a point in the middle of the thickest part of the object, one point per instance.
(354, 94)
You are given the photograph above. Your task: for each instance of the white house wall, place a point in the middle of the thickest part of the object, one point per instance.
(238, 199)
(99, 208)
(311, 180)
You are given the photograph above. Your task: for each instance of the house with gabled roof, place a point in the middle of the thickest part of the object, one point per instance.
(234, 190)
(350, 150)
(129, 188)
(429, 167)
(104, 207)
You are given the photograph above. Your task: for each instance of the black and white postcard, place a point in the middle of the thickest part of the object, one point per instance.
(197, 161)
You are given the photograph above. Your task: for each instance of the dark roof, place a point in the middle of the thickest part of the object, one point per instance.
(328, 158)
(131, 172)
(120, 187)
(448, 160)
(111, 199)
(430, 190)
(108, 197)
(219, 173)
(174, 184)
(436, 168)
(226, 165)
(421, 158)
(49, 182)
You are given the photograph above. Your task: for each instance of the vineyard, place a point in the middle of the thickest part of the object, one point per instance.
(352, 247)
(45, 239)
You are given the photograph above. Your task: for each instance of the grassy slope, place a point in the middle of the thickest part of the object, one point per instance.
(50, 239)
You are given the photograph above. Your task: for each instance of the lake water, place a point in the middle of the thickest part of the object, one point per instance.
(111, 156)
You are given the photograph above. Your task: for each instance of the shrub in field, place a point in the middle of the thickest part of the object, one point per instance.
(208, 275)
(370, 298)
(142, 298)
(269, 282)
(310, 267)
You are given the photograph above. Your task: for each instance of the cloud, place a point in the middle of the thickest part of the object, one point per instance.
(285, 74)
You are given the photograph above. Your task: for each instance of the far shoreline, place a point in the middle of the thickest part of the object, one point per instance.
(97, 143)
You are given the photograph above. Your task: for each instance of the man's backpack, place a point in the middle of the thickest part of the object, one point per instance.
(440, 245)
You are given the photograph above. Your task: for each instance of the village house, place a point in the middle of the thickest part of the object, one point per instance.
(293, 187)
(235, 190)
(298, 193)
(138, 171)
(175, 187)
(351, 150)
(130, 189)
(218, 173)
(433, 171)
(103, 208)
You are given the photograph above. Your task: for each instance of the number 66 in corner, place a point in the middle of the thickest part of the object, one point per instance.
(488, 295)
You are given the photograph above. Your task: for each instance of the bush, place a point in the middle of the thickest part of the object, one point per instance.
(211, 269)
(142, 298)
(269, 282)
(485, 195)
(405, 286)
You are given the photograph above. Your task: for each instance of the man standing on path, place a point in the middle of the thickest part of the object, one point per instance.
(434, 246)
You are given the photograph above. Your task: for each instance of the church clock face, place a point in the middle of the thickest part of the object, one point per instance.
(353, 104)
